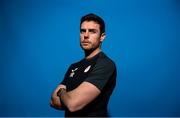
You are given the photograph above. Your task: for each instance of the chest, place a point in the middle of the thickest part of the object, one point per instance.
(78, 73)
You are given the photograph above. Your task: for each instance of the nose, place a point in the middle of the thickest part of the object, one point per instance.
(86, 35)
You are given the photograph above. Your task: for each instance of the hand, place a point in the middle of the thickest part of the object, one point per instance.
(61, 90)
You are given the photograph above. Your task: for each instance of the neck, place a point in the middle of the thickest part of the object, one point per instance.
(91, 53)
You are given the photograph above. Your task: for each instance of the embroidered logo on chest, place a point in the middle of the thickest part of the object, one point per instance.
(72, 72)
(87, 69)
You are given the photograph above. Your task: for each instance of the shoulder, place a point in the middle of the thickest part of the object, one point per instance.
(105, 62)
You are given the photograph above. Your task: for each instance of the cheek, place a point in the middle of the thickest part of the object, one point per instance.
(95, 42)
(95, 38)
(81, 37)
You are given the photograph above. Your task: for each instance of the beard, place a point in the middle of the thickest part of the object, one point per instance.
(88, 46)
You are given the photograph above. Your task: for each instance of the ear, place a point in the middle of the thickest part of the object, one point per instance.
(103, 36)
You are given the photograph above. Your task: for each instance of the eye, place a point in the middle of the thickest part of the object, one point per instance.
(82, 30)
(92, 31)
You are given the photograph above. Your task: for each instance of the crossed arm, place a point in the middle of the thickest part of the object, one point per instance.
(76, 99)
(55, 101)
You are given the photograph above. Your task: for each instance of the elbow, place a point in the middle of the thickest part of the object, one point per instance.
(52, 104)
(74, 106)
(55, 104)
(72, 109)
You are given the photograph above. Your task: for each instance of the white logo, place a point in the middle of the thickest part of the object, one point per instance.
(72, 72)
(87, 69)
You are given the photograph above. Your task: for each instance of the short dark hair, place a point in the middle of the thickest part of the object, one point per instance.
(95, 18)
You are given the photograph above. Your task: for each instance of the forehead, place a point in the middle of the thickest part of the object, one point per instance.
(90, 25)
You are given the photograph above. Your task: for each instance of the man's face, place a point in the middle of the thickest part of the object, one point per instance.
(90, 37)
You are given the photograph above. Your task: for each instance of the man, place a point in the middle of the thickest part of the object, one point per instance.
(89, 83)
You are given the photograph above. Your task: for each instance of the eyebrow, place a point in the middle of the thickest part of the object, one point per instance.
(92, 30)
(88, 29)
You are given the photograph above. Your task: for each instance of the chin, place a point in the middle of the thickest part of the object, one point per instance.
(86, 48)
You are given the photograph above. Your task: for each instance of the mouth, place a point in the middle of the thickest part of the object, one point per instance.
(84, 43)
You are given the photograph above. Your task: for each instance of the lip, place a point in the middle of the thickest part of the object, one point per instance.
(85, 42)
